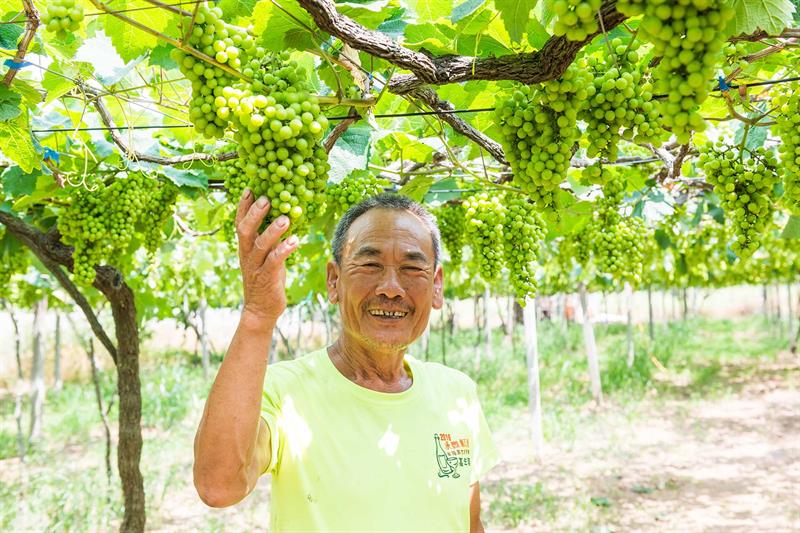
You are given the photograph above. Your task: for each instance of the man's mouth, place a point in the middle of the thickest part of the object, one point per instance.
(386, 313)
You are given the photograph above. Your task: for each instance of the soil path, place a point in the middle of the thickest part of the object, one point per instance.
(727, 464)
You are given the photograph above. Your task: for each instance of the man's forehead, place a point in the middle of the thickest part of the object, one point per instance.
(381, 230)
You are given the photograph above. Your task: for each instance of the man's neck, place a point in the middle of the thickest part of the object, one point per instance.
(371, 369)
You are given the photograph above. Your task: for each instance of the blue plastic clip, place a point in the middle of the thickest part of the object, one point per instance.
(723, 85)
(13, 65)
(49, 153)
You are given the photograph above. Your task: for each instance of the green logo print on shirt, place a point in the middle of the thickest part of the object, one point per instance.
(458, 454)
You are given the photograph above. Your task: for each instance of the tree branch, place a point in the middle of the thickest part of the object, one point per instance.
(373, 42)
(535, 67)
(133, 155)
(32, 22)
(788, 33)
(338, 131)
(54, 254)
(430, 97)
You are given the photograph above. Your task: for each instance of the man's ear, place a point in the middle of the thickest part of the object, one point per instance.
(332, 280)
(438, 288)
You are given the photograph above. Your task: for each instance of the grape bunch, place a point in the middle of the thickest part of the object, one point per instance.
(787, 127)
(539, 128)
(576, 18)
(620, 103)
(102, 223)
(745, 187)
(227, 44)
(62, 16)
(617, 244)
(688, 36)
(357, 186)
(277, 124)
(452, 226)
(485, 214)
(13, 260)
(523, 232)
(279, 128)
(734, 54)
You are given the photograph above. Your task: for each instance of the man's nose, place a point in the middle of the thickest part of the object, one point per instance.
(389, 284)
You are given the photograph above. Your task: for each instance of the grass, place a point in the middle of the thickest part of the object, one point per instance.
(63, 486)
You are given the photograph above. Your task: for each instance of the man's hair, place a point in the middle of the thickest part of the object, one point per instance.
(385, 201)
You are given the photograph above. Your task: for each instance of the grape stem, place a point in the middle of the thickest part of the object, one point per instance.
(31, 24)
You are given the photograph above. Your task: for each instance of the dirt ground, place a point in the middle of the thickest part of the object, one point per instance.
(728, 464)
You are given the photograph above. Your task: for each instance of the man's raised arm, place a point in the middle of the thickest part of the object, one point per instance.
(232, 445)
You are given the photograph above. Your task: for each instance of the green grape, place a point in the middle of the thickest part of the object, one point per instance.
(688, 36)
(576, 18)
(101, 223)
(13, 261)
(352, 189)
(539, 127)
(277, 124)
(485, 215)
(158, 209)
(734, 54)
(745, 188)
(452, 226)
(620, 103)
(62, 16)
(616, 244)
(787, 127)
(523, 232)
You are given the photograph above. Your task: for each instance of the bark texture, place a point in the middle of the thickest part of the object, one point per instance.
(55, 256)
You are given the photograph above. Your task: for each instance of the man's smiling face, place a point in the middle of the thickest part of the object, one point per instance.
(387, 282)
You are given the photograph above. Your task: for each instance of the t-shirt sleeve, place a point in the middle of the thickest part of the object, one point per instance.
(270, 410)
(485, 455)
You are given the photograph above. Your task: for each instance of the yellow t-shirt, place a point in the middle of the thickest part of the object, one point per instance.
(347, 458)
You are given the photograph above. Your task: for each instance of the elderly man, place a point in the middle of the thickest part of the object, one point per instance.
(358, 436)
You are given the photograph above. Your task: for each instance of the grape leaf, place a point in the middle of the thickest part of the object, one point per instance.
(515, 15)
(351, 152)
(537, 34)
(17, 183)
(131, 42)
(465, 9)
(394, 25)
(30, 94)
(9, 103)
(9, 33)
(417, 187)
(17, 145)
(186, 178)
(160, 56)
(792, 229)
(772, 16)
(369, 15)
(431, 10)
(236, 8)
(273, 24)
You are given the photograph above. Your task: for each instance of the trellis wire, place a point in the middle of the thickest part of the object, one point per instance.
(384, 115)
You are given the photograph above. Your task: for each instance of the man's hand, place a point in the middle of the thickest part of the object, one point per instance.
(261, 259)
